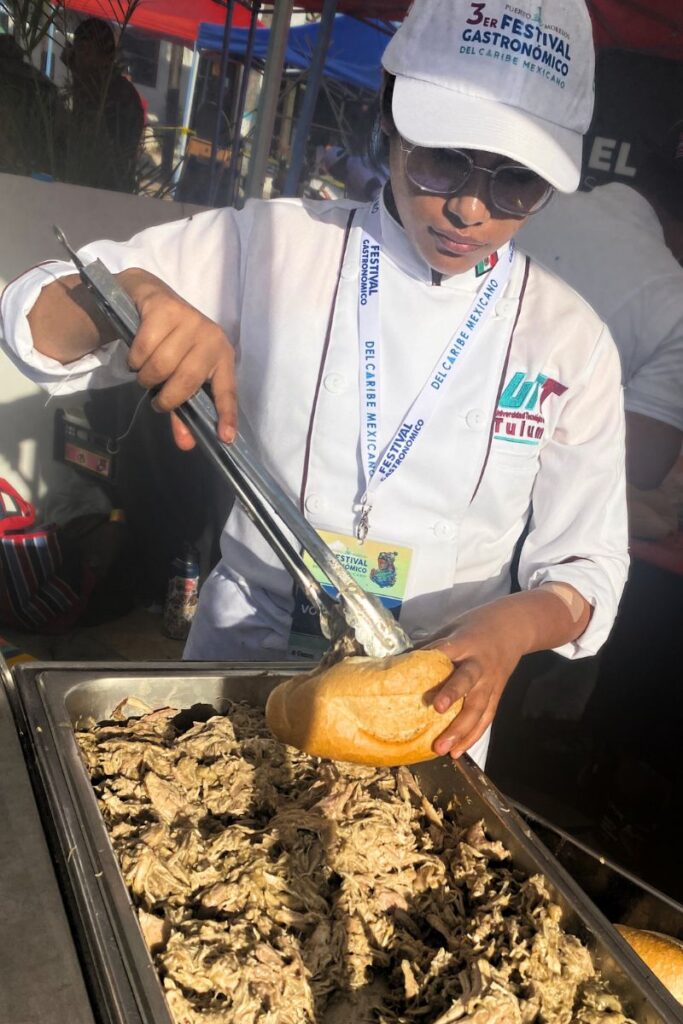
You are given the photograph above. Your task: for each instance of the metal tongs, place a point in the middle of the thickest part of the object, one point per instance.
(356, 622)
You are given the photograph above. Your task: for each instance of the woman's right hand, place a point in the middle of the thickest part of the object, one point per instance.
(178, 349)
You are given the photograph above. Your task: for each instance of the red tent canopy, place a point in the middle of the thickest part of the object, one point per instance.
(166, 18)
(385, 10)
(649, 26)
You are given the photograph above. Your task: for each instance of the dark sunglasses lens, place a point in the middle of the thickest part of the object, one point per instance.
(519, 191)
(437, 170)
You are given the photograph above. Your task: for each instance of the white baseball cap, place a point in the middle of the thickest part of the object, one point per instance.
(514, 78)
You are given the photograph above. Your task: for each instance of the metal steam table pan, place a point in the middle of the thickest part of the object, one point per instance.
(618, 893)
(51, 699)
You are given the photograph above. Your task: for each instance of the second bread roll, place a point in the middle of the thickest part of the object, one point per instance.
(374, 711)
(662, 954)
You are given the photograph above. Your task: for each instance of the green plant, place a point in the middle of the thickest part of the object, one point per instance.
(32, 20)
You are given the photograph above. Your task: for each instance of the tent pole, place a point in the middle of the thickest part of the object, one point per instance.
(225, 56)
(50, 55)
(305, 118)
(241, 103)
(187, 113)
(270, 91)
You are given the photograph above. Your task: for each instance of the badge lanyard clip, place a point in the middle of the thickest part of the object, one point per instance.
(363, 524)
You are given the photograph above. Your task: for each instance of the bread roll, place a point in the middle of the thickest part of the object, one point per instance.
(662, 954)
(369, 710)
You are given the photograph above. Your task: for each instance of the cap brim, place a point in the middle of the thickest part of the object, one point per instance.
(426, 114)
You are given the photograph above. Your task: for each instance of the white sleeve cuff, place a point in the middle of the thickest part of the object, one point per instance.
(591, 582)
(103, 368)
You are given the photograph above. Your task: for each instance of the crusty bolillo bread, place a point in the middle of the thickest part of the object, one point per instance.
(662, 954)
(368, 710)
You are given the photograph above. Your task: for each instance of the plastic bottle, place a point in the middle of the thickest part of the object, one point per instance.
(182, 593)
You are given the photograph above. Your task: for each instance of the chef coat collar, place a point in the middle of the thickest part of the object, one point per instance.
(401, 251)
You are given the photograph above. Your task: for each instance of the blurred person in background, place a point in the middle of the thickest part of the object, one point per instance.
(105, 133)
(621, 248)
(362, 181)
(616, 246)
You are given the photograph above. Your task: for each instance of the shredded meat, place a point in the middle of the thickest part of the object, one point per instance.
(272, 887)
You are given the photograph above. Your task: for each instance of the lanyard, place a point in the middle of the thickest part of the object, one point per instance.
(379, 466)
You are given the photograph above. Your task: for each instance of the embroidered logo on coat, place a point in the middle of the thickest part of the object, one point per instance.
(519, 417)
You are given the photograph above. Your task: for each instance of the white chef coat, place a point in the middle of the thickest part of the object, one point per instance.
(268, 275)
(609, 246)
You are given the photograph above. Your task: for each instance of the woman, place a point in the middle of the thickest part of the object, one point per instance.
(416, 383)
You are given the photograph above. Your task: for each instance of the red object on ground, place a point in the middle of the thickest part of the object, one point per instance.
(166, 18)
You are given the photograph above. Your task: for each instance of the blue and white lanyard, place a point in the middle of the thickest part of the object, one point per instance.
(379, 466)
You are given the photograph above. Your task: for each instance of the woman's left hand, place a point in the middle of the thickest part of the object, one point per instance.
(485, 648)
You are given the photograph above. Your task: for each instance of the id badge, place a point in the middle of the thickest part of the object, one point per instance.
(380, 567)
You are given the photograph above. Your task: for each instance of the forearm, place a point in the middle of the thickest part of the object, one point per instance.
(536, 620)
(66, 322)
(548, 616)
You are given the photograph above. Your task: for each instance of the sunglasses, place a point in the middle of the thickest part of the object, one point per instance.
(514, 189)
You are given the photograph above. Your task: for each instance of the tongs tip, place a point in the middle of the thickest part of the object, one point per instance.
(63, 240)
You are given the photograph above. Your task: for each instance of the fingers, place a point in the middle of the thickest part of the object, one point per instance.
(176, 350)
(185, 381)
(162, 359)
(458, 684)
(225, 396)
(188, 378)
(467, 742)
(483, 657)
(481, 695)
(469, 719)
(182, 435)
(466, 728)
(158, 323)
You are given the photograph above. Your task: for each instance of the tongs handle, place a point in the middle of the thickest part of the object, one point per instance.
(376, 631)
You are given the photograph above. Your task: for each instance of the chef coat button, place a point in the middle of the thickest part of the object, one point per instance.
(506, 307)
(444, 530)
(315, 503)
(475, 419)
(335, 383)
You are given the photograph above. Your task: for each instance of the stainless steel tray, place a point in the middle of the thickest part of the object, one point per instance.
(51, 699)
(619, 894)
